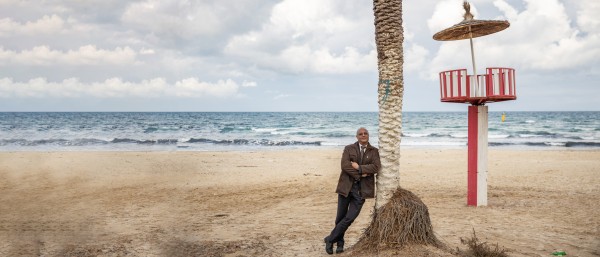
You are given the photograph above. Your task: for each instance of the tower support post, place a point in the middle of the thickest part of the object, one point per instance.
(477, 155)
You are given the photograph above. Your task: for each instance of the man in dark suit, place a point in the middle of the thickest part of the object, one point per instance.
(360, 162)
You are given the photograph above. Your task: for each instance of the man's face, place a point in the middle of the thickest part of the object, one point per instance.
(363, 136)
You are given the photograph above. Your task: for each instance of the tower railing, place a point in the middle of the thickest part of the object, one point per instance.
(502, 84)
(498, 84)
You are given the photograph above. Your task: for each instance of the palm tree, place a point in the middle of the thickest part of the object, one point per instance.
(389, 37)
(400, 217)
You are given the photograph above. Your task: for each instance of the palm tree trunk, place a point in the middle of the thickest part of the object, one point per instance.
(389, 37)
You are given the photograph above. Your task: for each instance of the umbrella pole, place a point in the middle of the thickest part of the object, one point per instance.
(473, 60)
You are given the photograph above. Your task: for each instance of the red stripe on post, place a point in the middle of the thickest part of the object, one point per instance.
(472, 156)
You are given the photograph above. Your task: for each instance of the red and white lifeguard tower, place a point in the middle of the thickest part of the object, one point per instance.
(456, 86)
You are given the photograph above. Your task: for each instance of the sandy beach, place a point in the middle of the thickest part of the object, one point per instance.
(280, 203)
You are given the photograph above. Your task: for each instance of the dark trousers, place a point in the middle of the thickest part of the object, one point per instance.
(347, 211)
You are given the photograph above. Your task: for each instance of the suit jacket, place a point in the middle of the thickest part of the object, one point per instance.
(370, 165)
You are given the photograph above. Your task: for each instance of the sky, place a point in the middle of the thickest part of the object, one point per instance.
(282, 55)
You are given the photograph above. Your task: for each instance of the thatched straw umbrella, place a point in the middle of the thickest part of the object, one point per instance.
(471, 28)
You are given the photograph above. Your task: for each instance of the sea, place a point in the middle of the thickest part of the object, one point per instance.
(250, 131)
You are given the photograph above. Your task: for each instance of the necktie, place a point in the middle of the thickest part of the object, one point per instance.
(362, 152)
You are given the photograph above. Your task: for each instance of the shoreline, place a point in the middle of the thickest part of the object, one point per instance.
(312, 148)
(277, 203)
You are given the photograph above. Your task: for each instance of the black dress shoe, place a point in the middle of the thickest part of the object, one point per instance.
(328, 246)
(340, 247)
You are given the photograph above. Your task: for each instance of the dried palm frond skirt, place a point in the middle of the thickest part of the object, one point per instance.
(401, 222)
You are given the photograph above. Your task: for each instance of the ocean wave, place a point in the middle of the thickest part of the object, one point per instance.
(536, 132)
(529, 144)
(435, 135)
(582, 144)
(59, 142)
(89, 142)
(555, 143)
(145, 141)
(262, 142)
(337, 135)
(281, 132)
(229, 129)
(199, 131)
(499, 144)
(264, 130)
(434, 143)
(86, 142)
(540, 133)
(563, 144)
(300, 133)
(498, 136)
(150, 130)
(581, 137)
(416, 134)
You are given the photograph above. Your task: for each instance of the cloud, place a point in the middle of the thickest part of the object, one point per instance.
(145, 51)
(85, 55)
(303, 58)
(545, 38)
(415, 58)
(311, 36)
(194, 25)
(48, 24)
(156, 48)
(541, 37)
(587, 16)
(248, 84)
(180, 18)
(193, 88)
(447, 13)
(281, 96)
(117, 88)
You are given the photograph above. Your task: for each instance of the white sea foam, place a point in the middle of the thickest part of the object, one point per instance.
(280, 132)
(433, 143)
(528, 135)
(264, 130)
(416, 134)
